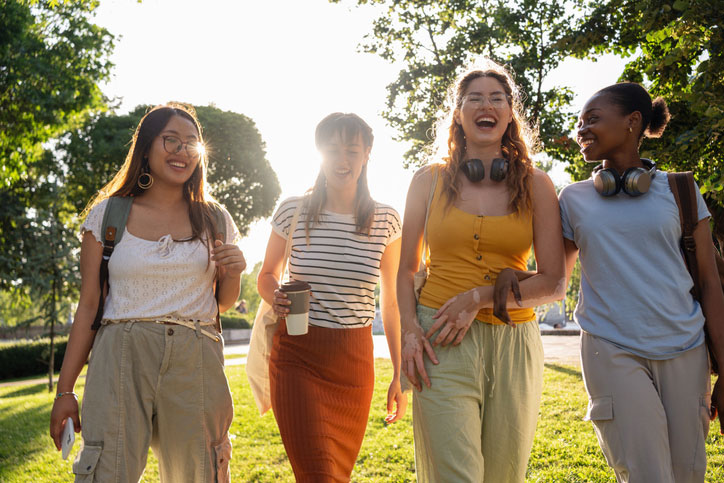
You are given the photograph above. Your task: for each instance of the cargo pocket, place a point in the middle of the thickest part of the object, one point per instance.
(85, 463)
(600, 409)
(222, 451)
(600, 413)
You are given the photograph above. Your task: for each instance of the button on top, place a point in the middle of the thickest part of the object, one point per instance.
(479, 257)
(170, 332)
(476, 236)
(487, 277)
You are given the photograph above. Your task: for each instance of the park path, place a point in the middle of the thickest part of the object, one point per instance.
(558, 349)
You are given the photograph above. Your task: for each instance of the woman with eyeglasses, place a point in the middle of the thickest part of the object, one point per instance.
(644, 360)
(478, 371)
(156, 372)
(344, 243)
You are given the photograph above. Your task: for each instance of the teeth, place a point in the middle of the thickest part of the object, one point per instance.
(486, 118)
(586, 142)
(178, 165)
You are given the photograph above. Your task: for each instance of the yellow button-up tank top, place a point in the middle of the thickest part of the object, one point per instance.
(469, 250)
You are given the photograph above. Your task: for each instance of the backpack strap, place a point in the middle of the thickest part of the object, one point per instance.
(682, 186)
(219, 234)
(113, 226)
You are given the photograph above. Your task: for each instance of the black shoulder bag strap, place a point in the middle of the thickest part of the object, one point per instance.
(114, 224)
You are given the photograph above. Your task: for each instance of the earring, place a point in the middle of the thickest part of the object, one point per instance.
(630, 130)
(145, 181)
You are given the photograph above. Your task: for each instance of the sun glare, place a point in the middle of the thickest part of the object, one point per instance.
(200, 149)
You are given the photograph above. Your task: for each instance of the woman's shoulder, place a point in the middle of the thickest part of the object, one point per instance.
(385, 211)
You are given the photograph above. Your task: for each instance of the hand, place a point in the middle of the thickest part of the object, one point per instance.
(507, 281)
(455, 317)
(229, 259)
(414, 344)
(281, 304)
(63, 408)
(717, 402)
(396, 402)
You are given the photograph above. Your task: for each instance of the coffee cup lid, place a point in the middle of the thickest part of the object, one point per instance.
(295, 286)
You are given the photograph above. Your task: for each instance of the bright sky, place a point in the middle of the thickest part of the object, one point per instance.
(286, 64)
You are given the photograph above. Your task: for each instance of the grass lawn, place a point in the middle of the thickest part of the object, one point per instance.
(565, 448)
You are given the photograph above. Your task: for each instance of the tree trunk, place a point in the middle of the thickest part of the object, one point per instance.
(51, 358)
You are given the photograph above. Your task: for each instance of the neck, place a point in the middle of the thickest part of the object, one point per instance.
(340, 201)
(623, 161)
(484, 153)
(164, 196)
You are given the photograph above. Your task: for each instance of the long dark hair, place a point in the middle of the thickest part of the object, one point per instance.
(348, 126)
(125, 181)
(516, 145)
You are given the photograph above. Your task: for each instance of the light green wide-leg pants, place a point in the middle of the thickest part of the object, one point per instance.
(477, 421)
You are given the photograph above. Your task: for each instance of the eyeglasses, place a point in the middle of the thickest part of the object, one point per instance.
(173, 145)
(478, 100)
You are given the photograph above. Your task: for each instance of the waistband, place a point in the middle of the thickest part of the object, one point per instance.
(193, 324)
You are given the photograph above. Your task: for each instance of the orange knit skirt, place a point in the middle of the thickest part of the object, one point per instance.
(321, 389)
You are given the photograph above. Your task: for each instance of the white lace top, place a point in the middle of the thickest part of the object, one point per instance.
(158, 278)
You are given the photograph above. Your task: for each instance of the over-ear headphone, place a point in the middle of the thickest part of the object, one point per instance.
(634, 181)
(474, 169)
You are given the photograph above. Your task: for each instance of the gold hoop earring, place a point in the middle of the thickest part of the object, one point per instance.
(145, 181)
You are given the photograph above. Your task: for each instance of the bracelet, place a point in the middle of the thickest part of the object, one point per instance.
(61, 394)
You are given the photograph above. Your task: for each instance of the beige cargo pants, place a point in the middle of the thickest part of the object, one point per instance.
(651, 416)
(161, 386)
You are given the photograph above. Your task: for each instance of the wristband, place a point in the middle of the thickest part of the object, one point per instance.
(61, 394)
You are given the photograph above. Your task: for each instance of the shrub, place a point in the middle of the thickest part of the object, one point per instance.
(30, 358)
(232, 319)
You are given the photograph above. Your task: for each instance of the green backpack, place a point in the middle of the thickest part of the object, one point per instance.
(113, 227)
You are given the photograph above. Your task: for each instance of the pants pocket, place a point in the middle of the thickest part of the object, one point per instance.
(85, 463)
(222, 451)
(600, 413)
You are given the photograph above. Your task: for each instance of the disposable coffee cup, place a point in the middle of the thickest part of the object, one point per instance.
(298, 316)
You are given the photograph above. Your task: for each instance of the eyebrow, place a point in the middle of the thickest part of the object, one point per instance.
(480, 93)
(591, 109)
(173, 131)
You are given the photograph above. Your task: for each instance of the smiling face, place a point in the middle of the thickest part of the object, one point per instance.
(485, 113)
(603, 129)
(343, 160)
(169, 167)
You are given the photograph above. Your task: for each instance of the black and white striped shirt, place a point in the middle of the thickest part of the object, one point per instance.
(341, 265)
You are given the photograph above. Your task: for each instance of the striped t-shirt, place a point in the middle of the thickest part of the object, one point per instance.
(341, 265)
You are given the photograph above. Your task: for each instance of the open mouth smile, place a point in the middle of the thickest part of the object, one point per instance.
(486, 122)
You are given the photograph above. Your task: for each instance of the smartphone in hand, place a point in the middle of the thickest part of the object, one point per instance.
(68, 438)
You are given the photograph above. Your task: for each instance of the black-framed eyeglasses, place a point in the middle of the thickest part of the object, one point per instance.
(173, 145)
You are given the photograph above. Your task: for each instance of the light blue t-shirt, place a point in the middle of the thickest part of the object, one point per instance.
(634, 283)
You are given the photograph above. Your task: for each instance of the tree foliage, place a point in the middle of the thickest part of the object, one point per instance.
(52, 58)
(239, 174)
(677, 52)
(435, 39)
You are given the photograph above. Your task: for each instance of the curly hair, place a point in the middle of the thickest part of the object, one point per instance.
(517, 144)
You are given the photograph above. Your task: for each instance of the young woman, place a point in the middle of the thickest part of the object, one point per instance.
(475, 418)
(321, 382)
(156, 372)
(644, 360)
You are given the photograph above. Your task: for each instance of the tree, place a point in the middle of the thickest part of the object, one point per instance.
(677, 52)
(52, 59)
(434, 39)
(239, 174)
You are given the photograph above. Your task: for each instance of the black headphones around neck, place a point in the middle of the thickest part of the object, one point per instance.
(474, 169)
(634, 181)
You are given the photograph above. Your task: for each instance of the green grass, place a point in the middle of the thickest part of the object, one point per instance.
(565, 448)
